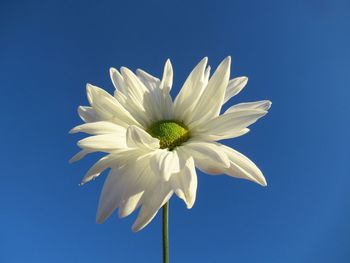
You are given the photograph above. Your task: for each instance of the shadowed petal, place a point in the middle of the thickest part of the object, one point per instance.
(80, 155)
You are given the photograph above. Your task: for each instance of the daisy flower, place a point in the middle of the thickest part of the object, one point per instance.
(153, 144)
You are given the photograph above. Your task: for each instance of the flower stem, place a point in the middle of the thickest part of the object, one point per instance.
(165, 233)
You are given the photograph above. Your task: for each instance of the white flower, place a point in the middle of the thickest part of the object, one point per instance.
(154, 144)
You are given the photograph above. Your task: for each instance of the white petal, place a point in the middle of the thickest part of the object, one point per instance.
(100, 127)
(229, 124)
(217, 137)
(101, 165)
(165, 101)
(87, 114)
(234, 87)
(185, 183)
(131, 196)
(147, 79)
(206, 151)
(143, 103)
(167, 80)
(136, 89)
(139, 138)
(103, 143)
(191, 90)
(166, 163)
(130, 203)
(80, 155)
(119, 183)
(139, 111)
(264, 105)
(108, 108)
(117, 80)
(240, 167)
(156, 196)
(110, 195)
(210, 102)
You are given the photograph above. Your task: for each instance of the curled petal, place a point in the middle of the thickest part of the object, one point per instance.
(139, 138)
(239, 166)
(208, 151)
(185, 183)
(166, 163)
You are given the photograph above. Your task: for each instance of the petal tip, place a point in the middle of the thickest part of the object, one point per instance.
(112, 71)
(261, 180)
(122, 212)
(124, 70)
(189, 205)
(89, 86)
(268, 104)
(136, 228)
(99, 220)
(85, 180)
(73, 130)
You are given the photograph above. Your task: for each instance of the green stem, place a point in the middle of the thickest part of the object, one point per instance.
(165, 233)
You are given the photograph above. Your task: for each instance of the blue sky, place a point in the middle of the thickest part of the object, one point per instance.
(295, 53)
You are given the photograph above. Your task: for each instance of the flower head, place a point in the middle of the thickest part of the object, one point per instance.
(153, 143)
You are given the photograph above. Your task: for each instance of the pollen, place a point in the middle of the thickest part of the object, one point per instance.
(170, 133)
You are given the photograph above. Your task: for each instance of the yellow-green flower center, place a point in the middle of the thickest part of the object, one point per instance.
(170, 133)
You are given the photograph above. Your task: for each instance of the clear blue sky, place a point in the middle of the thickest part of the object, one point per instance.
(295, 53)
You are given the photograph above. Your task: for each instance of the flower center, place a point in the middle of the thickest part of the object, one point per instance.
(170, 133)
